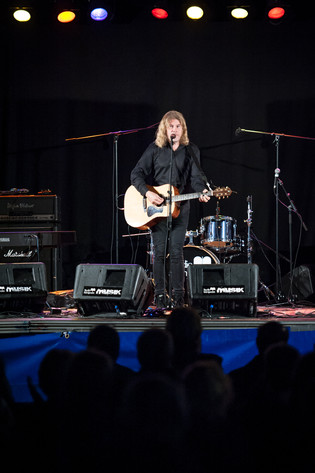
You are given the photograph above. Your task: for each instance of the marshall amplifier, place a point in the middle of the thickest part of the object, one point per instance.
(29, 208)
(28, 249)
(30, 214)
(118, 289)
(223, 288)
(23, 287)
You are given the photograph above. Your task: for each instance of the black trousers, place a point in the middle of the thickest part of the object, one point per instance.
(168, 263)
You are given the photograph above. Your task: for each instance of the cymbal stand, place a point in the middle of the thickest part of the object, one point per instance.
(150, 255)
(249, 224)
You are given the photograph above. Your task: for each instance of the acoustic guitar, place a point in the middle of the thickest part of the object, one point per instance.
(141, 213)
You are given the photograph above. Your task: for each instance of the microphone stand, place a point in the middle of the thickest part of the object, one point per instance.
(279, 295)
(116, 135)
(238, 131)
(169, 227)
(291, 207)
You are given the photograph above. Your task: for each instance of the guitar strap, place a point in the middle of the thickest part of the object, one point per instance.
(202, 174)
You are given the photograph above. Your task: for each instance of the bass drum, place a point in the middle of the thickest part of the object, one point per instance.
(198, 255)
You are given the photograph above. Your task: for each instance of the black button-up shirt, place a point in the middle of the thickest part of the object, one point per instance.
(153, 168)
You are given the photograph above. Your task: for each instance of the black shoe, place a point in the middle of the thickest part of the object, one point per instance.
(160, 301)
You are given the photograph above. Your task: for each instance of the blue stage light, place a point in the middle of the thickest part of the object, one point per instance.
(99, 14)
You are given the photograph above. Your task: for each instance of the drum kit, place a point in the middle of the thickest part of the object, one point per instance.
(219, 241)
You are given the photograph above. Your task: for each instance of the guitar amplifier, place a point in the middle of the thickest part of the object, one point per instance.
(32, 213)
(29, 208)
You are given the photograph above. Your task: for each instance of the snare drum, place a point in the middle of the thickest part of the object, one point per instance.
(217, 231)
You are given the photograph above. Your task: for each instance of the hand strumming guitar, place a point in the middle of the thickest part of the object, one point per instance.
(154, 198)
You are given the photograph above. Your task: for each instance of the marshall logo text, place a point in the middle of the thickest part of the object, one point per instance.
(11, 253)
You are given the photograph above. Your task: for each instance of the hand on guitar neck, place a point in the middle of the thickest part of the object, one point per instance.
(205, 197)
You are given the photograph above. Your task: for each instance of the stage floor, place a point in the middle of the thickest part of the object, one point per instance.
(62, 319)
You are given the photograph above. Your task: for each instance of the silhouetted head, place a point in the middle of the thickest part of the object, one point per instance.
(53, 370)
(155, 349)
(105, 339)
(270, 333)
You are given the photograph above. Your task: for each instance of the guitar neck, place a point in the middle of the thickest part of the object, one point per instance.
(193, 195)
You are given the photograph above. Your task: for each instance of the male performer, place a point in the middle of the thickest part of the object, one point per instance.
(171, 145)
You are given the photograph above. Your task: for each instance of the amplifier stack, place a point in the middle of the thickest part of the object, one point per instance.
(23, 218)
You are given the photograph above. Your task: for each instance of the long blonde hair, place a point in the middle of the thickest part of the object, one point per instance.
(161, 133)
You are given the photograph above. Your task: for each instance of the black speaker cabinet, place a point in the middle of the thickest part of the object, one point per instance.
(223, 288)
(23, 287)
(303, 283)
(118, 289)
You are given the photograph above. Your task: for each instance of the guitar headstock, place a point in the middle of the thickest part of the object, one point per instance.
(222, 192)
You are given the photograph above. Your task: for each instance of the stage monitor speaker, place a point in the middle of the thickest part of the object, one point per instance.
(223, 288)
(302, 283)
(121, 289)
(23, 287)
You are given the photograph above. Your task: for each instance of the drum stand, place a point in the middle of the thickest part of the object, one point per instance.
(249, 222)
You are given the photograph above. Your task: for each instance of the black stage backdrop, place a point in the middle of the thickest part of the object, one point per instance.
(63, 81)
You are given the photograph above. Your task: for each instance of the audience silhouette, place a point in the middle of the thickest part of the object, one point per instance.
(105, 339)
(155, 350)
(245, 378)
(179, 413)
(184, 324)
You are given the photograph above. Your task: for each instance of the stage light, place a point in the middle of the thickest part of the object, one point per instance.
(159, 12)
(194, 12)
(276, 13)
(99, 14)
(277, 10)
(99, 10)
(22, 15)
(239, 13)
(66, 16)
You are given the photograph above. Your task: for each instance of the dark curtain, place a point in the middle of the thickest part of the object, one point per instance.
(63, 81)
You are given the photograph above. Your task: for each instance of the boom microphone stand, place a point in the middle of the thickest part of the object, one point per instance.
(238, 131)
(116, 135)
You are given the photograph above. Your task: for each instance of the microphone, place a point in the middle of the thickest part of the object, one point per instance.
(173, 136)
(277, 173)
(238, 131)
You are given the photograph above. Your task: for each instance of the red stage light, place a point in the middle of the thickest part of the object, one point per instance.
(159, 13)
(276, 13)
